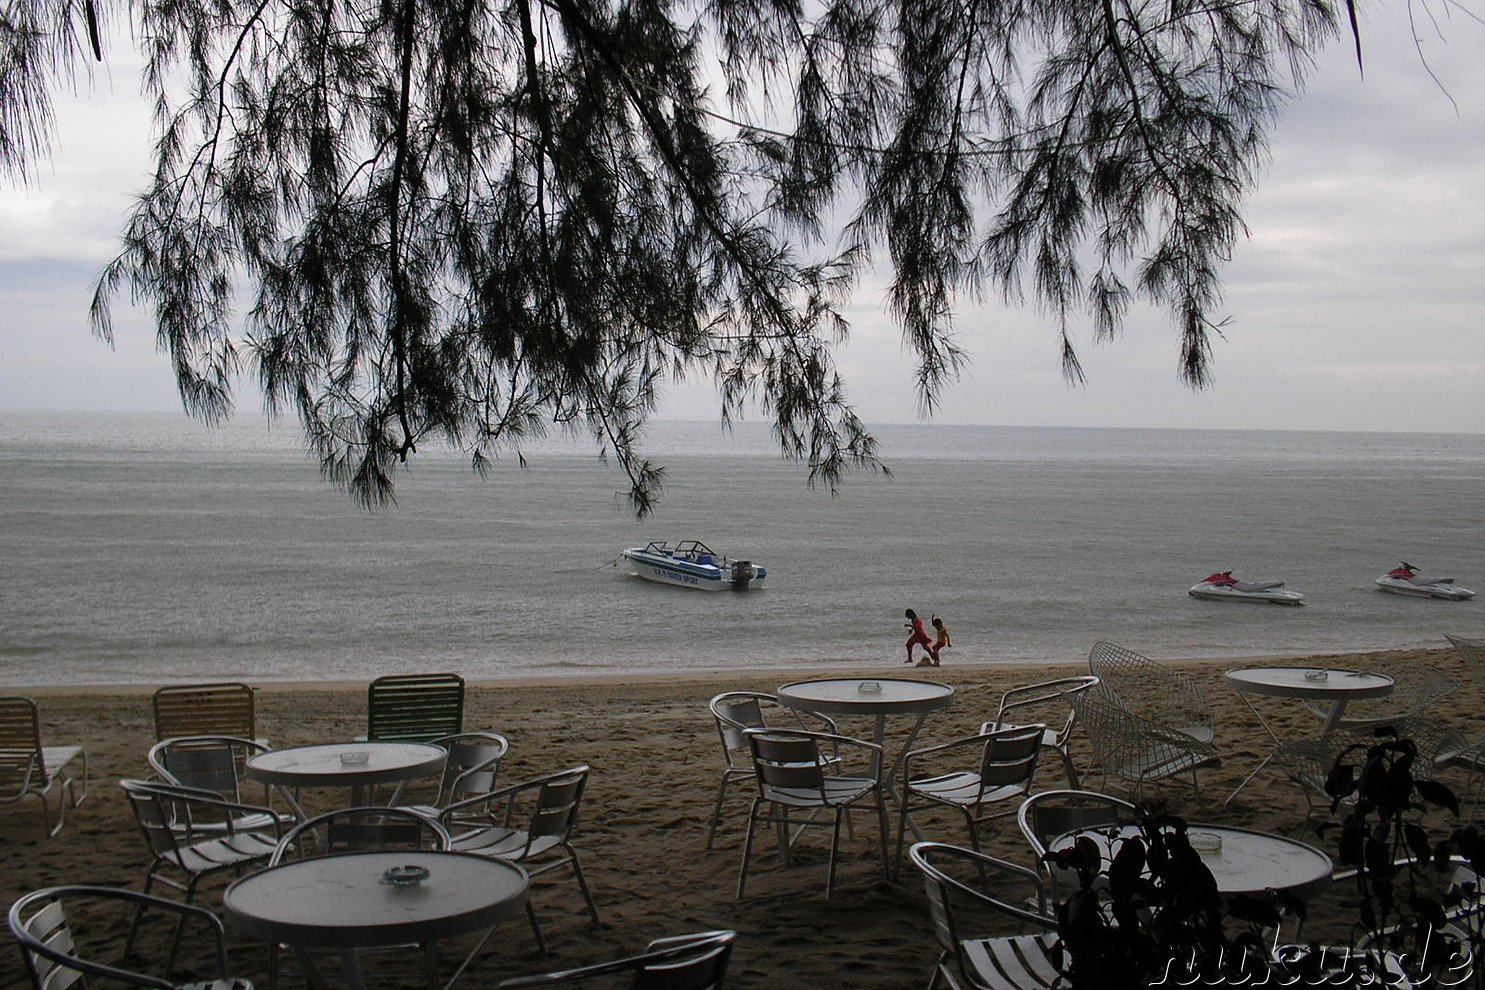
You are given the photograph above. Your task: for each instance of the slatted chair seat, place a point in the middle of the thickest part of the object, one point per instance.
(1013, 962)
(681, 962)
(29, 769)
(414, 707)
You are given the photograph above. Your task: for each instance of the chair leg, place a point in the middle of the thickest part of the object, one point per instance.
(834, 847)
(1070, 769)
(742, 876)
(711, 830)
(577, 871)
(541, 942)
(883, 829)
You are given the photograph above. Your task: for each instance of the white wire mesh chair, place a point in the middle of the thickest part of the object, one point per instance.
(53, 946)
(1137, 749)
(530, 823)
(1049, 697)
(697, 961)
(957, 880)
(734, 712)
(791, 771)
(1150, 690)
(1416, 686)
(1004, 764)
(1046, 815)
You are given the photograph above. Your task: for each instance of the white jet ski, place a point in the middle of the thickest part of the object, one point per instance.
(1405, 580)
(1223, 587)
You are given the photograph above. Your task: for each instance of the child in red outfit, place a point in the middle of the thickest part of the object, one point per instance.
(918, 636)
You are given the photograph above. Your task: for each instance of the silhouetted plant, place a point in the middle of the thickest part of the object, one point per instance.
(1414, 909)
(1150, 913)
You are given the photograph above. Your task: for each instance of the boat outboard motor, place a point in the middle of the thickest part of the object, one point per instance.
(743, 573)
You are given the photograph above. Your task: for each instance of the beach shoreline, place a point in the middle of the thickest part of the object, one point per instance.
(653, 749)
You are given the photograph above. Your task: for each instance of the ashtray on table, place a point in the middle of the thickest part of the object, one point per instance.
(405, 876)
(869, 687)
(355, 758)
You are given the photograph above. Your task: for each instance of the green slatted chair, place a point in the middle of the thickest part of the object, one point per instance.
(414, 707)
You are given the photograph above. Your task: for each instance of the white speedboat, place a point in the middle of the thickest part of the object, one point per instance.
(1405, 580)
(692, 564)
(1223, 587)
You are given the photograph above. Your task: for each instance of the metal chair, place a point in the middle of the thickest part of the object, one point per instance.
(214, 763)
(1045, 816)
(955, 878)
(472, 768)
(194, 832)
(1138, 749)
(790, 768)
(50, 943)
(737, 711)
(358, 829)
(1054, 694)
(1151, 690)
(1005, 763)
(414, 707)
(222, 709)
(531, 824)
(681, 962)
(30, 770)
(1416, 686)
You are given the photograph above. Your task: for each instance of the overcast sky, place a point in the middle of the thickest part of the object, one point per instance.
(1357, 303)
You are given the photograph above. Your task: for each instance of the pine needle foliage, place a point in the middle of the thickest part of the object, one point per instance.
(474, 221)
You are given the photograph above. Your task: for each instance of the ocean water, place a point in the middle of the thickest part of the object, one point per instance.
(139, 548)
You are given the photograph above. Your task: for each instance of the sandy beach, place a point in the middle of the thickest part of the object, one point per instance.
(655, 758)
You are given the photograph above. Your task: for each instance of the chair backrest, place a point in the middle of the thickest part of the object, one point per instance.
(735, 712)
(473, 764)
(1472, 652)
(1043, 694)
(557, 802)
(1147, 688)
(222, 709)
(1010, 757)
(358, 830)
(414, 707)
(22, 761)
(212, 763)
(697, 961)
(156, 814)
(1045, 816)
(40, 924)
(788, 759)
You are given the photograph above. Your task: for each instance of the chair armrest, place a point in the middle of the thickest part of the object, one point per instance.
(506, 795)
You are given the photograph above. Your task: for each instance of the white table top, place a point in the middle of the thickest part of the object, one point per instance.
(845, 696)
(322, 766)
(342, 901)
(1302, 682)
(1249, 862)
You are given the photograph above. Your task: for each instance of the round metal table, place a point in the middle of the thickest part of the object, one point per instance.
(357, 765)
(1306, 683)
(343, 902)
(1248, 862)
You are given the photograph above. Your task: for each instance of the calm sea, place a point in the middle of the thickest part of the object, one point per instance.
(145, 548)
